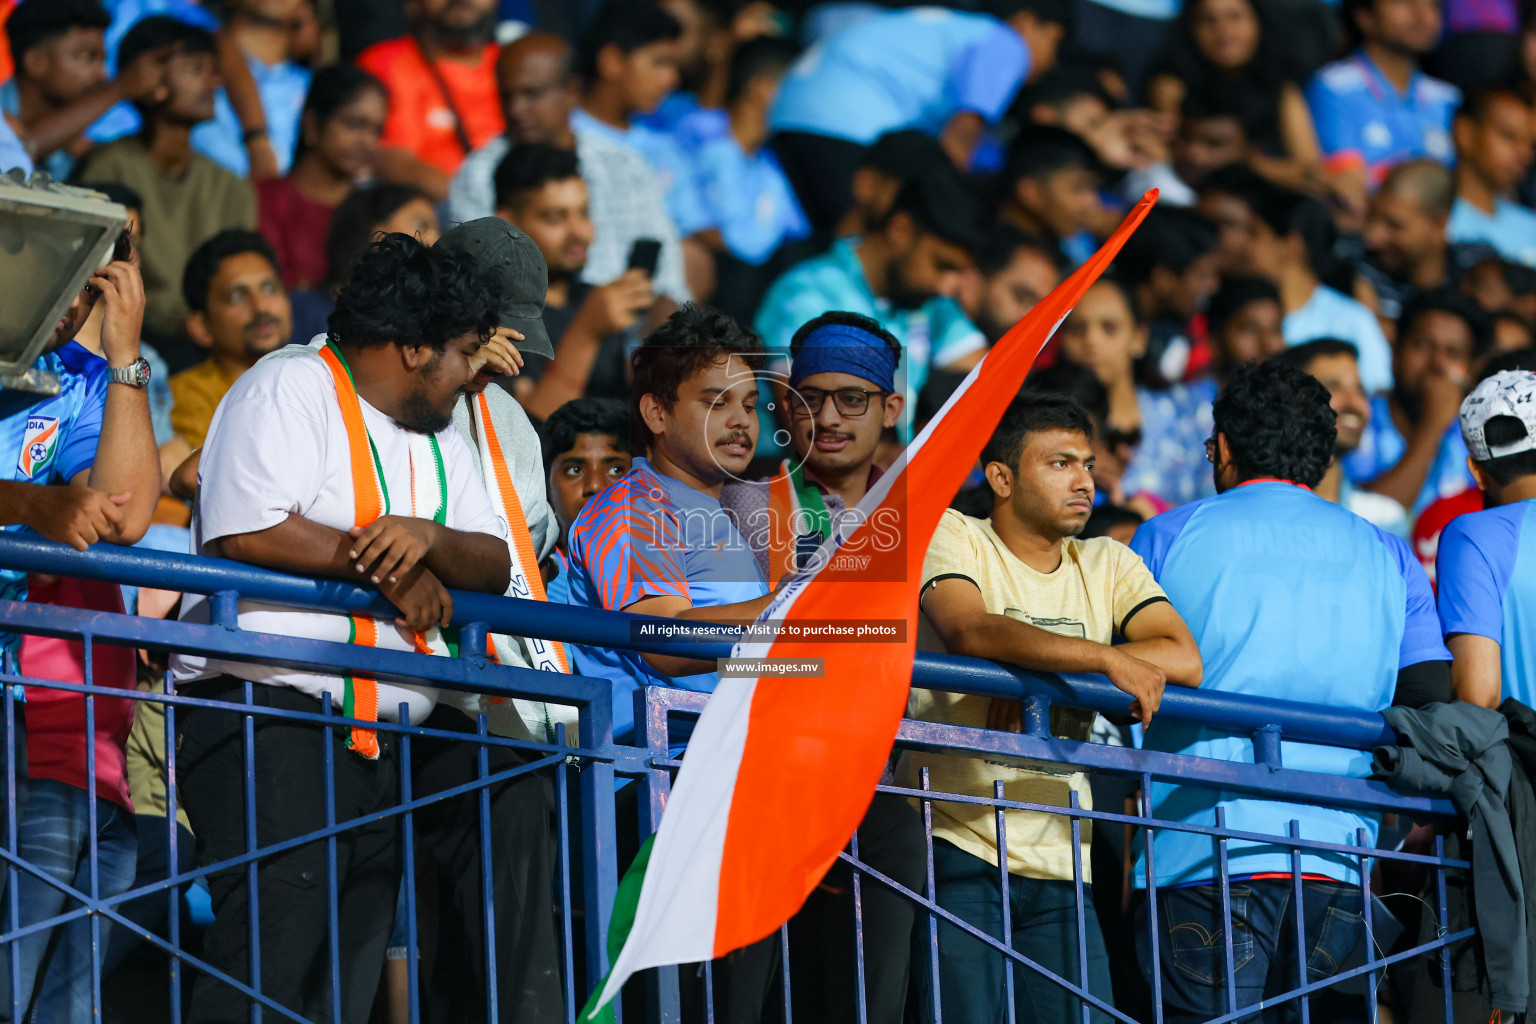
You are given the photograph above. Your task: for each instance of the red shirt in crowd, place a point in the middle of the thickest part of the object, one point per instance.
(422, 105)
(56, 718)
(297, 227)
(1426, 528)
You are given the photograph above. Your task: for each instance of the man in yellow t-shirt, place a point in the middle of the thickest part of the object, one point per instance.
(1021, 588)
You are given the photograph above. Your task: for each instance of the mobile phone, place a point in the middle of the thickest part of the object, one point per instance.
(643, 255)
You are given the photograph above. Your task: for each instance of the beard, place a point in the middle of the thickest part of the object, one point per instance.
(473, 34)
(418, 412)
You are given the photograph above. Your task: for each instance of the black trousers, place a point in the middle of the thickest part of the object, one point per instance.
(291, 887)
(822, 946)
(820, 170)
(522, 845)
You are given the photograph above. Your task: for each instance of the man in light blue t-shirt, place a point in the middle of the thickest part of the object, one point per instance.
(1494, 137)
(1290, 596)
(1486, 565)
(1412, 451)
(949, 73)
(903, 275)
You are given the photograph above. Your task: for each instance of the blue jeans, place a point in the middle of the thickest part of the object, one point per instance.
(1043, 915)
(55, 964)
(1193, 950)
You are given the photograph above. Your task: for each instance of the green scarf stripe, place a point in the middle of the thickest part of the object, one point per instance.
(811, 500)
(348, 695)
(441, 518)
(619, 924)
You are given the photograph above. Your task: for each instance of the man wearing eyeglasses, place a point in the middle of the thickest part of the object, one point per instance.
(842, 396)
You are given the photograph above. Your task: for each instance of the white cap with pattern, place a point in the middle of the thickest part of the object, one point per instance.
(1507, 393)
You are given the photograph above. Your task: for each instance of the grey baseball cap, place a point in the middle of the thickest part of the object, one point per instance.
(524, 277)
(1507, 393)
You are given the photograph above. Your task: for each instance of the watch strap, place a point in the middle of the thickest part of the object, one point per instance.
(136, 374)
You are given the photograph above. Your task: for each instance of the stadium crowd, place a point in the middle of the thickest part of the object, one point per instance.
(628, 305)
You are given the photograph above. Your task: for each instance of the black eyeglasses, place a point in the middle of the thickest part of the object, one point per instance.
(1210, 449)
(849, 401)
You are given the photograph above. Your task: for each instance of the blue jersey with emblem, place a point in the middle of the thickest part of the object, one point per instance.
(1486, 567)
(48, 440)
(1288, 595)
(1358, 111)
(650, 535)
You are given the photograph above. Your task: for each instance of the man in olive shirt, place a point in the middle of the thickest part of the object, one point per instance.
(187, 197)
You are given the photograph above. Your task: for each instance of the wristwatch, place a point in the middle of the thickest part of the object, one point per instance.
(135, 374)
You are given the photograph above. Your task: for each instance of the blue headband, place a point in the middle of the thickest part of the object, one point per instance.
(839, 348)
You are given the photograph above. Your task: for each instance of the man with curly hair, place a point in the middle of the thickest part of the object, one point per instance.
(346, 465)
(1294, 597)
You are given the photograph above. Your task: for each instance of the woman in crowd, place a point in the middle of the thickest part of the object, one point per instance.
(337, 149)
(1165, 430)
(366, 213)
(1224, 47)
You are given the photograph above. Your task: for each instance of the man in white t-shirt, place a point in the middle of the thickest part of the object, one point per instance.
(344, 466)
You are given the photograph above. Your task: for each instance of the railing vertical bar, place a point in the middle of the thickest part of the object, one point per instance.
(1443, 920)
(563, 846)
(487, 879)
(1229, 961)
(408, 843)
(1298, 900)
(1078, 898)
(333, 898)
(860, 997)
(92, 822)
(1155, 943)
(248, 781)
(13, 904)
(931, 892)
(1365, 915)
(173, 849)
(784, 971)
(1004, 894)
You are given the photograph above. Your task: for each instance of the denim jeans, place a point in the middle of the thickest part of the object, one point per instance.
(1043, 915)
(55, 964)
(1193, 949)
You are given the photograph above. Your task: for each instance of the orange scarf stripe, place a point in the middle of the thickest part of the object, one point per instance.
(781, 527)
(365, 495)
(516, 521)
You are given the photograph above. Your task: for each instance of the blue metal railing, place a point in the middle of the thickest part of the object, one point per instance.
(597, 761)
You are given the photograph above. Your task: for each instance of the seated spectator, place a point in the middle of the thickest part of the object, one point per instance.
(1412, 451)
(628, 60)
(540, 94)
(742, 191)
(586, 448)
(1243, 321)
(1163, 428)
(338, 148)
(1511, 333)
(1017, 271)
(1274, 437)
(387, 383)
(1226, 198)
(60, 84)
(1021, 588)
(361, 217)
(1375, 108)
(891, 161)
(656, 542)
(842, 380)
(1292, 243)
(1049, 188)
(186, 196)
(1405, 234)
(240, 312)
(539, 189)
(1484, 603)
(1336, 366)
(91, 850)
(949, 73)
(1169, 264)
(263, 33)
(1494, 137)
(1213, 132)
(1226, 56)
(903, 275)
(441, 78)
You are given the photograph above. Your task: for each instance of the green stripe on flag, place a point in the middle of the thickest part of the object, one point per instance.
(619, 924)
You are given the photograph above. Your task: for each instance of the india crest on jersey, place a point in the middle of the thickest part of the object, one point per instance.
(38, 445)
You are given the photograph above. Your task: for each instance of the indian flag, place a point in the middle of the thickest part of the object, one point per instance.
(779, 772)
